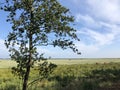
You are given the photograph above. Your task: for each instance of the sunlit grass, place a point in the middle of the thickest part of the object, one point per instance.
(11, 63)
(69, 75)
(7, 63)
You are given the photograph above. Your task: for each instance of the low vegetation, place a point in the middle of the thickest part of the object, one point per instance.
(88, 76)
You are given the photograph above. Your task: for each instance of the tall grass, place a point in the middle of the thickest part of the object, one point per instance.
(11, 63)
(67, 77)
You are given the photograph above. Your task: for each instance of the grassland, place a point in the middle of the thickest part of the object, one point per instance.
(85, 61)
(11, 63)
(83, 74)
(7, 63)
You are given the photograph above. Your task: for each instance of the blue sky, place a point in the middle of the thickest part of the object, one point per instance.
(98, 27)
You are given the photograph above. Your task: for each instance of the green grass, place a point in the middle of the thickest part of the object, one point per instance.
(89, 74)
(84, 61)
(7, 63)
(11, 63)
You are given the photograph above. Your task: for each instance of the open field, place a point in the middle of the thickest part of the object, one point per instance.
(83, 74)
(7, 63)
(84, 61)
(10, 63)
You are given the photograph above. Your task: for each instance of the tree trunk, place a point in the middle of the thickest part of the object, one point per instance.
(25, 82)
(26, 77)
(28, 65)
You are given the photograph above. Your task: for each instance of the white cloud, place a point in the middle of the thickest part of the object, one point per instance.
(56, 52)
(100, 38)
(87, 48)
(103, 33)
(3, 50)
(113, 28)
(87, 21)
(108, 10)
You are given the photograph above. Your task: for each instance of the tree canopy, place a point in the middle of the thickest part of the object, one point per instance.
(37, 23)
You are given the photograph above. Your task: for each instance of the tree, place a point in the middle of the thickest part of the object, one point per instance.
(37, 23)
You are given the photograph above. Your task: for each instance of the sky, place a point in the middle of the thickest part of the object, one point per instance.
(98, 26)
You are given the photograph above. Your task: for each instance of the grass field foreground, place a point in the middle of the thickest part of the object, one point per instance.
(69, 75)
